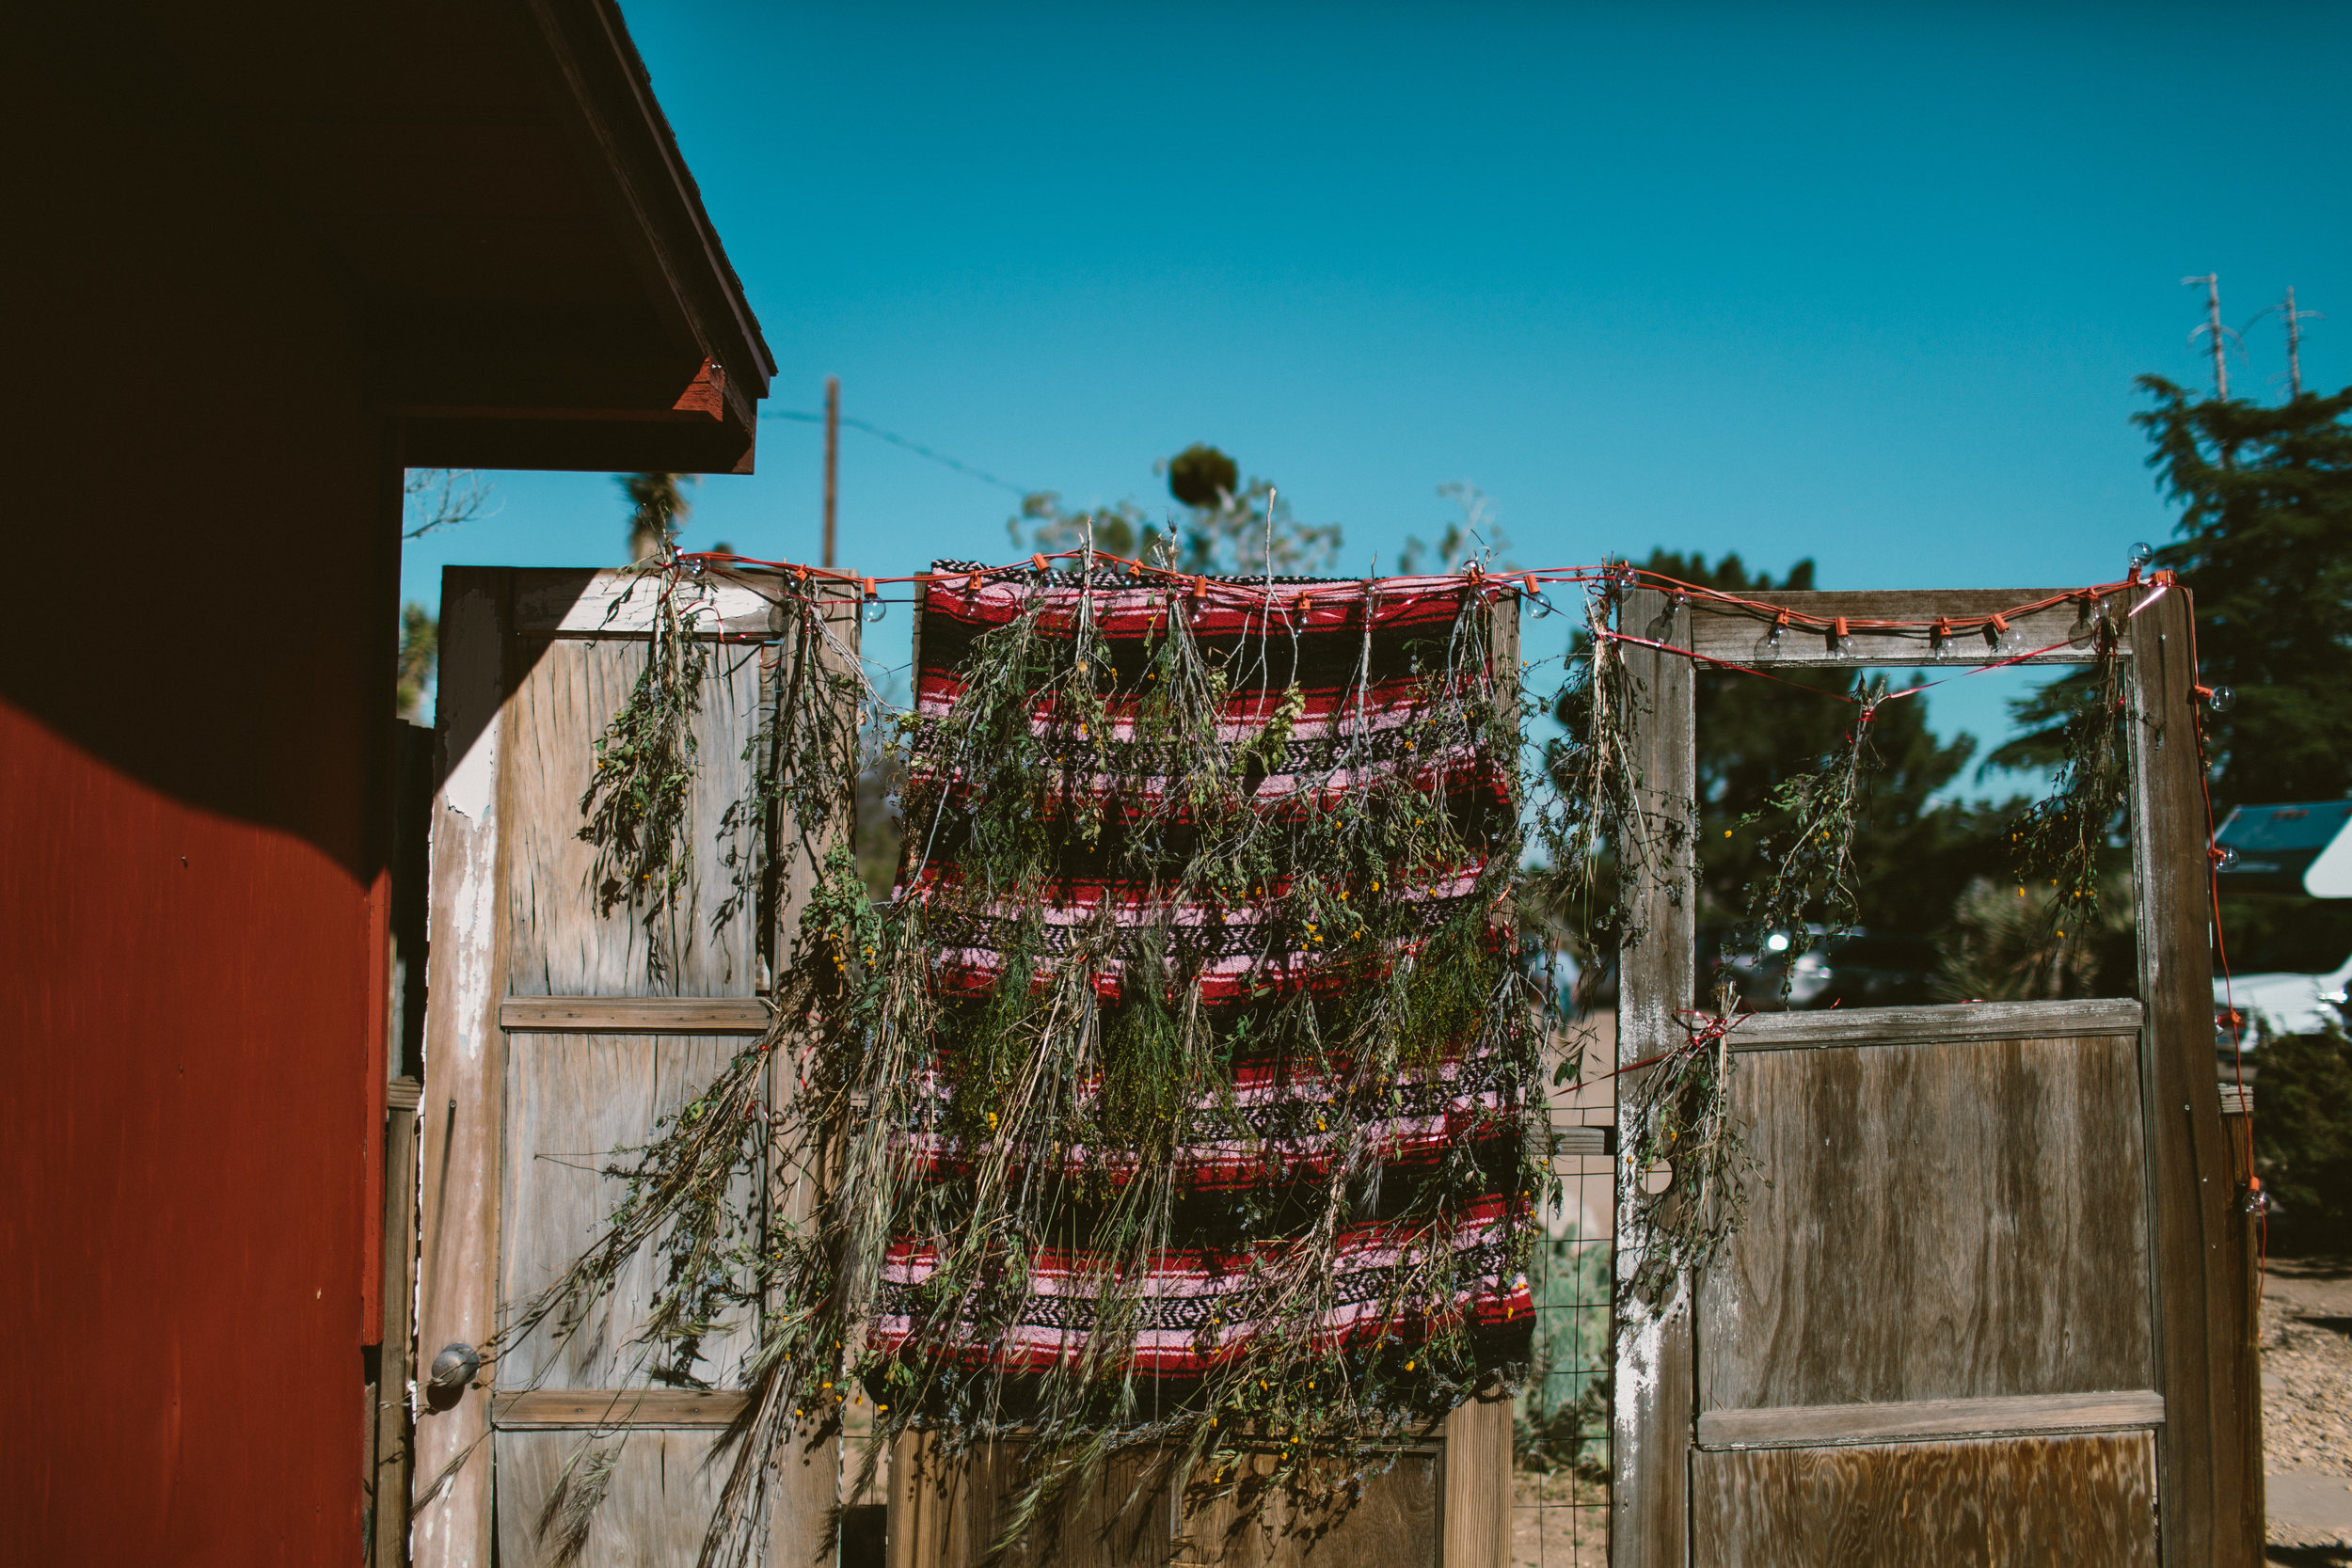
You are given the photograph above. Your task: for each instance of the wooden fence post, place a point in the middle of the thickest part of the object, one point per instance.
(1653, 1381)
(2211, 1447)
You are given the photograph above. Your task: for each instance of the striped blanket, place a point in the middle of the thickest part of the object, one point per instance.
(1326, 695)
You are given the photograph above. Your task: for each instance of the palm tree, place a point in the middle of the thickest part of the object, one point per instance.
(656, 511)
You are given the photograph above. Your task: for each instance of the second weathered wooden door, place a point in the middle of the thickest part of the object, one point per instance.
(1988, 1305)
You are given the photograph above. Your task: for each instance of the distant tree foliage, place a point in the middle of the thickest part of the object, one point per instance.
(2303, 1140)
(1473, 534)
(434, 498)
(1913, 858)
(2266, 546)
(658, 510)
(420, 654)
(1203, 477)
(1916, 860)
(1219, 531)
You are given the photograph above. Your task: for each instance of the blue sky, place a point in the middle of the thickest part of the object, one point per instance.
(1868, 285)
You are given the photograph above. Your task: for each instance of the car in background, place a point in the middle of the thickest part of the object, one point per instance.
(2293, 849)
(1828, 968)
(2279, 1004)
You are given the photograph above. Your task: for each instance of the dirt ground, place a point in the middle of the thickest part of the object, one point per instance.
(2307, 1409)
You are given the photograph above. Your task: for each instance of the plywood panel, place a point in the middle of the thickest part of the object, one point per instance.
(2066, 1502)
(562, 944)
(1398, 1523)
(1129, 1518)
(574, 1103)
(1941, 1222)
(655, 1510)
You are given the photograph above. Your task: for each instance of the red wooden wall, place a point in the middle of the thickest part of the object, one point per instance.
(195, 644)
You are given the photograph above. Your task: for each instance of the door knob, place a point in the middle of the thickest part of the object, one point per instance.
(454, 1371)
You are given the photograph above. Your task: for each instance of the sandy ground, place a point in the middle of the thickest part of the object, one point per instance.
(2307, 1409)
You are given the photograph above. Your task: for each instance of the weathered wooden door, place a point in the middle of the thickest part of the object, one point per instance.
(1989, 1304)
(549, 1047)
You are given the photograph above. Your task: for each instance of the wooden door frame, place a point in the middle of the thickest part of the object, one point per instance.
(496, 621)
(2209, 1453)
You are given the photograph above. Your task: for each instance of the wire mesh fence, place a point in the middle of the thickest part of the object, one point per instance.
(1560, 1428)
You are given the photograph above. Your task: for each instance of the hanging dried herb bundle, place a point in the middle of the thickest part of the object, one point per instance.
(1172, 1111)
(802, 747)
(1599, 846)
(639, 801)
(1680, 1113)
(2058, 839)
(1809, 876)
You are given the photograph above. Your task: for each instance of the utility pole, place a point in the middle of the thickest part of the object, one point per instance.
(2295, 345)
(2212, 328)
(832, 456)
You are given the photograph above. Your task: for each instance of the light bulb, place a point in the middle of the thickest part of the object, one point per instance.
(2226, 861)
(2220, 699)
(2141, 554)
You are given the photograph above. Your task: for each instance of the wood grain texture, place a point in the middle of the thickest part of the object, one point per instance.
(1813, 1426)
(465, 1071)
(1745, 637)
(575, 1103)
(589, 603)
(948, 1515)
(1941, 1222)
(536, 1408)
(1652, 1412)
(2064, 1502)
(1954, 1021)
(634, 1014)
(1475, 1505)
(563, 944)
(1398, 1523)
(2212, 1454)
(655, 1510)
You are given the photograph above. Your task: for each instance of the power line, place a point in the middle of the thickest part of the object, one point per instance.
(896, 440)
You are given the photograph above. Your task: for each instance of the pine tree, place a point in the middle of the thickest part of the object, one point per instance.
(2266, 546)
